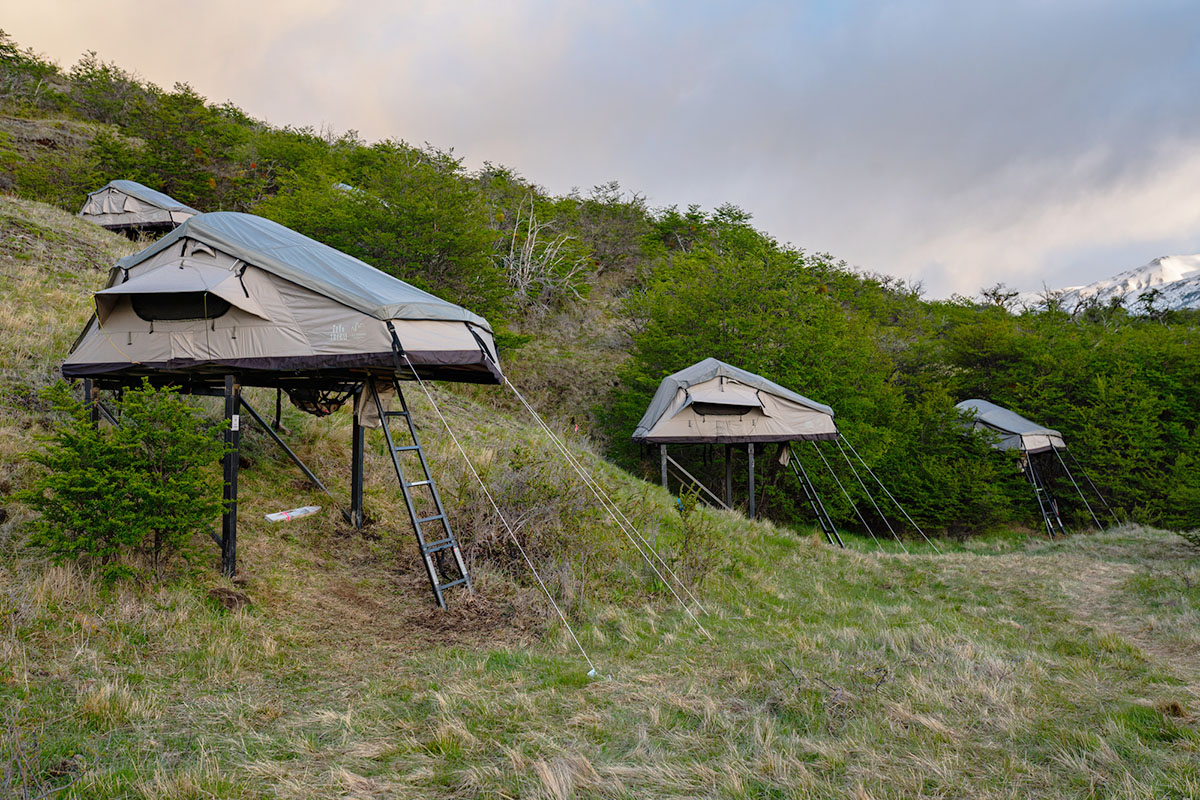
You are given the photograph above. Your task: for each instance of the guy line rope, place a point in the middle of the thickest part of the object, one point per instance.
(606, 502)
(617, 515)
(512, 535)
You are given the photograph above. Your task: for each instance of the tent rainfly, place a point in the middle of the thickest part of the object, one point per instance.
(128, 205)
(1008, 430)
(1012, 431)
(229, 300)
(228, 292)
(716, 403)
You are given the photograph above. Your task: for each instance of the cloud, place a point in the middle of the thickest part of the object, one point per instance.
(955, 143)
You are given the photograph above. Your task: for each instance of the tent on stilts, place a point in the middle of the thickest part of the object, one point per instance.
(1008, 430)
(129, 207)
(712, 402)
(231, 300)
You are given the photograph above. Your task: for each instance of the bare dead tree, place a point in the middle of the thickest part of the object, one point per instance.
(538, 268)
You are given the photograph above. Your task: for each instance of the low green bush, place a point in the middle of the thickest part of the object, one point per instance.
(125, 498)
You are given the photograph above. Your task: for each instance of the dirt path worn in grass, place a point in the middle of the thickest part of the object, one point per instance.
(1100, 597)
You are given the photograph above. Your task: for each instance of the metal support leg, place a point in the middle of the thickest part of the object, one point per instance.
(308, 473)
(233, 440)
(92, 399)
(729, 475)
(750, 453)
(662, 450)
(357, 439)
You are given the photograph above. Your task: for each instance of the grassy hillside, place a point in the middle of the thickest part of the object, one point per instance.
(1008, 667)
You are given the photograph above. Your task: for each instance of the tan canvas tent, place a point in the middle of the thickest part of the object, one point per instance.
(1010, 430)
(235, 292)
(228, 300)
(715, 402)
(125, 205)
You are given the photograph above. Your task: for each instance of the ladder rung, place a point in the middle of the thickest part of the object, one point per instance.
(419, 483)
(395, 413)
(407, 447)
(445, 586)
(439, 545)
(423, 520)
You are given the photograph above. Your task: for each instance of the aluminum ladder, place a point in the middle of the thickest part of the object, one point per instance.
(814, 500)
(442, 575)
(1046, 502)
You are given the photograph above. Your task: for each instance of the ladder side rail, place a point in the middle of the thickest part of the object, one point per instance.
(827, 521)
(430, 571)
(810, 494)
(1052, 504)
(433, 489)
(1032, 475)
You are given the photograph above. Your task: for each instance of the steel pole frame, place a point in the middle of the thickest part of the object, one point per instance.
(357, 516)
(233, 441)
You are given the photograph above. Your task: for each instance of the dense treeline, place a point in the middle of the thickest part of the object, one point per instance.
(1123, 388)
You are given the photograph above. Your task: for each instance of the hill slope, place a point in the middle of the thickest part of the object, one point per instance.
(1007, 668)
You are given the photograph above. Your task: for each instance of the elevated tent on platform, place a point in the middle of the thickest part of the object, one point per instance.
(1010, 429)
(712, 402)
(228, 292)
(228, 300)
(129, 205)
(715, 402)
(1041, 452)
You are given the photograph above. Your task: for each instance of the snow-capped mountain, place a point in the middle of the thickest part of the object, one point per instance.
(1176, 277)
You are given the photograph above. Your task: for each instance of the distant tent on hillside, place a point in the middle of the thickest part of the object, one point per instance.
(712, 402)
(1008, 430)
(715, 402)
(229, 300)
(1012, 431)
(130, 206)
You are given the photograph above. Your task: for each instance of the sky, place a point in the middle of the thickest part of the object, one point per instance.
(958, 144)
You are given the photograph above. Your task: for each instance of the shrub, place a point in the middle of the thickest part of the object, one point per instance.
(136, 492)
(698, 551)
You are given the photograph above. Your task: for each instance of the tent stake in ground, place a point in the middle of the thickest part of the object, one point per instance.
(228, 301)
(1008, 430)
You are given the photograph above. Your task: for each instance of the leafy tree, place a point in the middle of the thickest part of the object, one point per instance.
(104, 92)
(27, 80)
(140, 490)
(409, 212)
